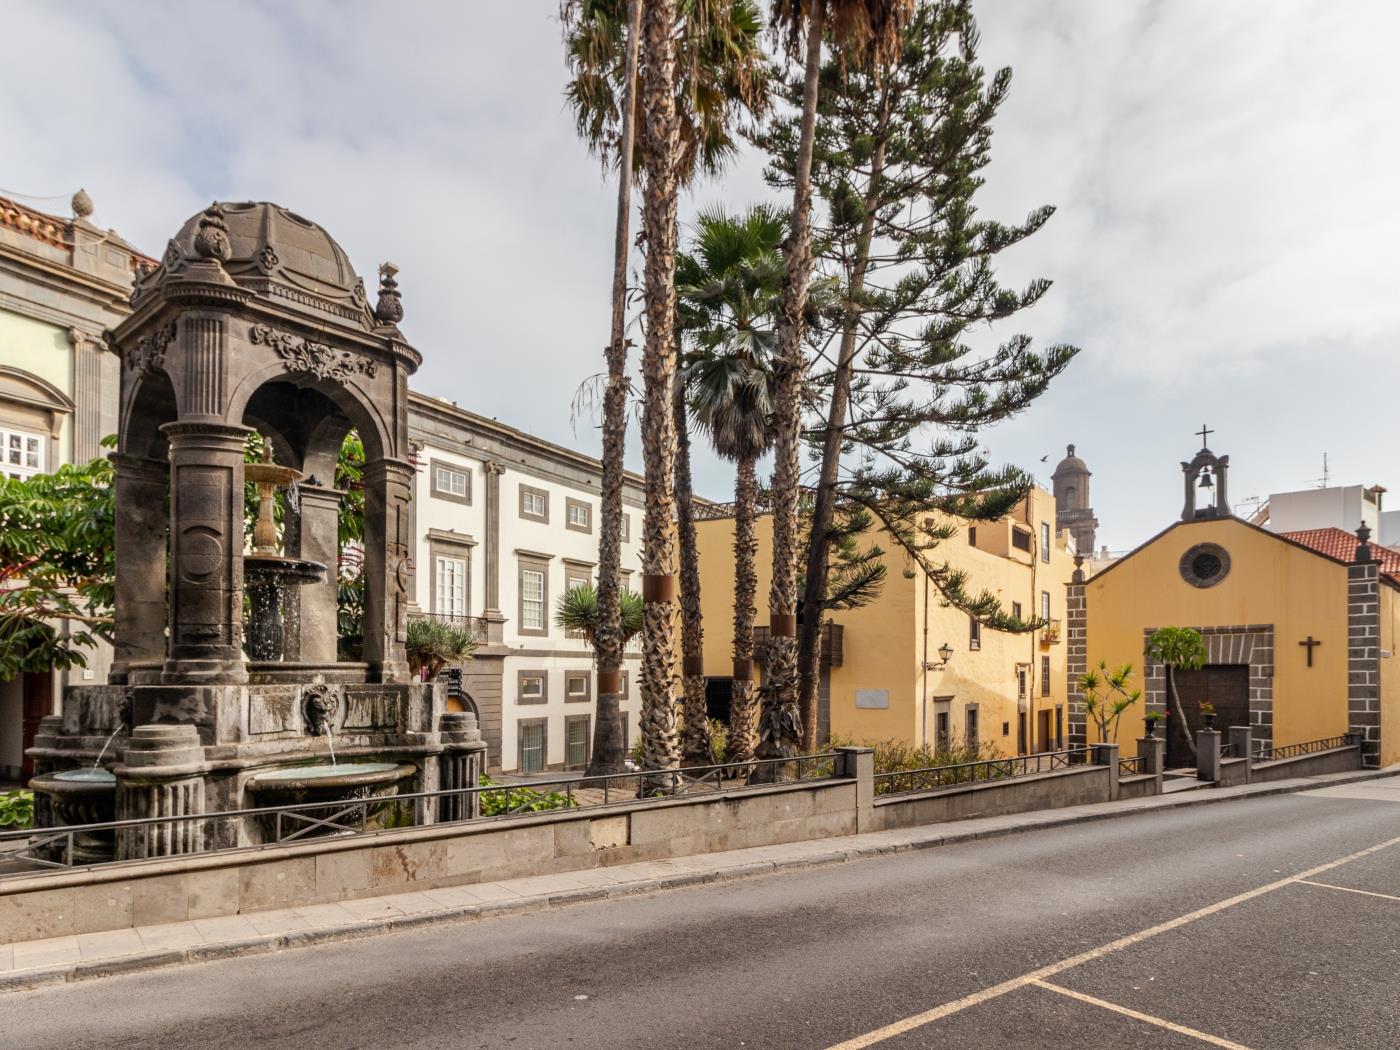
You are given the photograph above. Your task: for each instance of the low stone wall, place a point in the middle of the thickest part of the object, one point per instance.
(1144, 785)
(90, 900)
(1337, 760)
(1233, 771)
(995, 798)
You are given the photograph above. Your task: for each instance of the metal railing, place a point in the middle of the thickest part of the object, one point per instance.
(1130, 767)
(908, 781)
(1228, 750)
(1308, 747)
(56, 847)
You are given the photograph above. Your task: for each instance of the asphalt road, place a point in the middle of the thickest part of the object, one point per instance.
(1176, 929)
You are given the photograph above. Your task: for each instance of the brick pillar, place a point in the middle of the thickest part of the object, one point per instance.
(1076, 652)
(1363, 649)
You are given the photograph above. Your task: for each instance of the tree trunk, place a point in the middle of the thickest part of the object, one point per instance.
(781, 720)
(695, 727)
(824, 506)
(1180, 711)
(741, 701)
(607, 755)
(658, 731)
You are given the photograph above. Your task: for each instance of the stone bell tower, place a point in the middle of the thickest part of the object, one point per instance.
(1205, 477)
(1073, 509)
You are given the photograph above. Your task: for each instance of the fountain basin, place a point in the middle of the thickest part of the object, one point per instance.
(334, 785)
(267, 578)
(83, 796)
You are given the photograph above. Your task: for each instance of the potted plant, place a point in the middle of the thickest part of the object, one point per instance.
(1208, 714)
(1150, 720)
(433, 644)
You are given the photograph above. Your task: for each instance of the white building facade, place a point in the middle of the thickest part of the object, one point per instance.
(505, 523)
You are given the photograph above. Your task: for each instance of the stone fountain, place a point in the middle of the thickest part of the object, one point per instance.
(253, 321)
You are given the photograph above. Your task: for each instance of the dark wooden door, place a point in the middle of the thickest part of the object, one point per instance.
(1224, 685)
(38, 702)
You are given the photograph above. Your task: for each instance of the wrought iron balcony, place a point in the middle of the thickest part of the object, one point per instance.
(1050, 633)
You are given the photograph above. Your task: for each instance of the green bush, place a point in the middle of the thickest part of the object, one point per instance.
(16, 810)
(433, 644)
(896, 756)
(519, 799)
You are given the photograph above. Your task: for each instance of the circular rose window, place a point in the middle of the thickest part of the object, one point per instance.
(1205, 565)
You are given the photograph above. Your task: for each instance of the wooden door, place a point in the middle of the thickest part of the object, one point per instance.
(1224, 685)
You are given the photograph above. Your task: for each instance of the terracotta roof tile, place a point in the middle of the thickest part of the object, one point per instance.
(1340, 544)
(37, 224)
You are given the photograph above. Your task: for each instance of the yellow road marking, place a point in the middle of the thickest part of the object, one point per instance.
(1180, 1029)
(908, 1024)
(1348, 889)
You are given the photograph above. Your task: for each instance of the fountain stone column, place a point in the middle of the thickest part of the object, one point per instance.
(388, 568)
(161, 774)
(139, 488)
(460, 764)
(317, 541)
(206, 562)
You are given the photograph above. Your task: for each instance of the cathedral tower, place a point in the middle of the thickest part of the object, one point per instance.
(1072, 507)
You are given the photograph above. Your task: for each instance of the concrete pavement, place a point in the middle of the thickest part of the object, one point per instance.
(1265, 922)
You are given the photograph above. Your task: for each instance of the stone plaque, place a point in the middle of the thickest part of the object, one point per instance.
(272, 709)
(873, 698)
(371, 709)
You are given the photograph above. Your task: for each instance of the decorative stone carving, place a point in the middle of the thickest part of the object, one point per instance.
(318, 706)
(314, 359)
(82, 204)
(389, 309)
(149, 352)
(267, 259)
(211, 242)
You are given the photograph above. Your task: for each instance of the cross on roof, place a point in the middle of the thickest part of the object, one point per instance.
(1205, 433)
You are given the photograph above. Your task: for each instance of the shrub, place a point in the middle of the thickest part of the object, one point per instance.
(16, 810)
(519, 799)
(433, 644)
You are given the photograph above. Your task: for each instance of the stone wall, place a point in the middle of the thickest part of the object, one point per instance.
(1363, 655)
(995, 798)
(1338, 760)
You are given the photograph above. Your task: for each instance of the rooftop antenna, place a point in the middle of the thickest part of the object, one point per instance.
(1326, 474)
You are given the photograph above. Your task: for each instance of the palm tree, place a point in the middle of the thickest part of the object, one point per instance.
(579, 610)
(728, 288)
(863, 31)
(723, 81)
(696, 747)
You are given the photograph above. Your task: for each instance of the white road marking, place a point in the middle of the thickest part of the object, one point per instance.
(1180, 1029)
(908, 1024)
(1348, 889)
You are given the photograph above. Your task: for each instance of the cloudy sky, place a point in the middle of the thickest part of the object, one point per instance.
(1224, 173)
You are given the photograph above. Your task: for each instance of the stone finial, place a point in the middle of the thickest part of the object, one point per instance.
(82, 204)
(211, 242)
(389, 308)
(1069, 450)
(1363, 544)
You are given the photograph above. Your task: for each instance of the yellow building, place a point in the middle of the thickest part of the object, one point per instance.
(883, 676)
(1299, 627)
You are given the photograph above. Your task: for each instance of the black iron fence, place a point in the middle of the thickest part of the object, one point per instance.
(1130, 767)
(1308, 747)
(907, 781)
(24, 852)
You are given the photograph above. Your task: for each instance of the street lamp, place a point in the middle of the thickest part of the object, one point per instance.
(946, 652)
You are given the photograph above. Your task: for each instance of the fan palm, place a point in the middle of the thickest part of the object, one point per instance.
(727, 287)
(860, 31)
(578, 610)
(719, 81)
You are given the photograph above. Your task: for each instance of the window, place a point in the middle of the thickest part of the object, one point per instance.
(450, 482)
(576, 741)
(578, 515)
(450, 586)
(534, 598)
(534, 503)
(626, 579)
(974, 633)
(23, 453)
(577, 687)
(1021, 539)
(533, 740)
(1045, 606)
(626, 528)
(1016, 610)
(972, 535)
(1022, 674)
(970, 737)
(1045, 676)
(1021, 733)
(1044, 541)
(532, 687)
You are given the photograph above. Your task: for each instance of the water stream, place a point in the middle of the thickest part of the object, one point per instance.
(98, 759)
(330, 743)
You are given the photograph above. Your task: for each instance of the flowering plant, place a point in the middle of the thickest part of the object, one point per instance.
(1155, 716)
(1207, 708)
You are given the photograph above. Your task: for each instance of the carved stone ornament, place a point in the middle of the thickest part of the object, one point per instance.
(211, 242)
(149, 352)
(267, 259)
(319, 703)
(314, 359)
(389, 309)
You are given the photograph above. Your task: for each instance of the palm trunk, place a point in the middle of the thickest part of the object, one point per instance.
(781, 720)
(824, 508)
(1180, 711)
(695, 728)
(608, 756)
(658, 717)
(741, 700)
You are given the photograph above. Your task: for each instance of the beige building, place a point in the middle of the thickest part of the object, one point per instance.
(63, 281)
(883, 675)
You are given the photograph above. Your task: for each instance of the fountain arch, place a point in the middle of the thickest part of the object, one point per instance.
(255, 321)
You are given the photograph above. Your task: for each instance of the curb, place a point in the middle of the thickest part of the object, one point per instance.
(29, 980)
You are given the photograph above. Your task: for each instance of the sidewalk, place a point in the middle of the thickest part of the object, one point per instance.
(29, 964)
